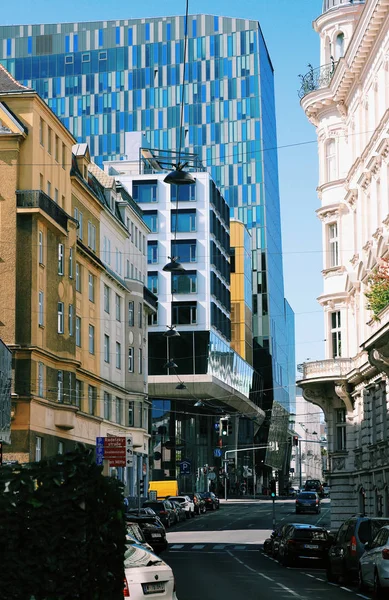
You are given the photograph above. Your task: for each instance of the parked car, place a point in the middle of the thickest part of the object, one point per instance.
(374, 564)
(199, 503)
(179, 510)
(186, 503)
(326, 490)
(163, 509)
(303, 542)
(271, 544)
(314, 485)
(145, 574)
(349, 545)
(211, 500)
(134, 535)
(307, 502)
(151, 526)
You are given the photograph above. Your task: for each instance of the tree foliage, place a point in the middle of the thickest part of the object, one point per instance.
(378, 292)
(62, 530)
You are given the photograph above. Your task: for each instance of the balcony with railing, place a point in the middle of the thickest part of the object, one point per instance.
(333, 4)
(316, 79)
(38, 199)
(331, 368)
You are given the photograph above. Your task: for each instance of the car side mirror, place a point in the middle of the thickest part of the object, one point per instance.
(367, 546)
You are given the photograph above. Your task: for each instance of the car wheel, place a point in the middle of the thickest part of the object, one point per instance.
(361, 583)
(285, 560)
(377, 590)
(192, 514)
(213, 507)
(330, 576)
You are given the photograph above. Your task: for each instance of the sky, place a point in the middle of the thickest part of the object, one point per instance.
(292, 44)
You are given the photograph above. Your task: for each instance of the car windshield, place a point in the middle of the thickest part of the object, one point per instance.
(307, 496)
(177, 499)
(135, 556)
(310, 534)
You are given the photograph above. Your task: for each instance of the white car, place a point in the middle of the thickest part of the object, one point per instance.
(145, 574)
(186, 504)
(374, 564)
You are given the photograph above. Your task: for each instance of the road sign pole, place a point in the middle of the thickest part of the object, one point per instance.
(274, 513)
(225, 461)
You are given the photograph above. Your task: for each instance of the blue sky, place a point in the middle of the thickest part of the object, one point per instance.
(292, 44)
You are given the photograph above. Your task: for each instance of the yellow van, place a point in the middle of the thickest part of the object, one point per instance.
(164, 488)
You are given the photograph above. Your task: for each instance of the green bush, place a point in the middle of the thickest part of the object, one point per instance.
(378, 294)
(62, 530)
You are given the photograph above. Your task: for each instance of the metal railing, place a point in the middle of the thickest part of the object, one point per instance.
(38, 199)
(317, 78)
(329, 4)
(337, 367)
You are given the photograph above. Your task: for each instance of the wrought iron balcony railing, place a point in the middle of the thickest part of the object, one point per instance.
(38, 199)
(317, 78)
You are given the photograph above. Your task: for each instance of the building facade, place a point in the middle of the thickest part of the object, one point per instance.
(51, 298)
(191, 223)
(104, 79)
(5, 393)
(347, 101)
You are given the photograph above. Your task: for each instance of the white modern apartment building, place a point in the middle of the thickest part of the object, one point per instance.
(191, 224)
(307, 456)
(347, 100)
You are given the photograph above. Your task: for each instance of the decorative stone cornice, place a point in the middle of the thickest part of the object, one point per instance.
(355, 259)
(378, 360)
(377, 233)
(329, 213)
(364, 180)
(374, 164)
(351, 198)
(342, 391)
(367, 246)
(332, 271)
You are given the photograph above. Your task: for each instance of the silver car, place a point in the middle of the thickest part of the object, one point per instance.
(374, 564)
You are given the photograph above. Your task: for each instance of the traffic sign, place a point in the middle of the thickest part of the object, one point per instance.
(118, 450)
(129, 451)
(217, 452)
(185, 467)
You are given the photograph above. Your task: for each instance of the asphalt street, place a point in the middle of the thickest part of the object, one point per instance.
(218, 556)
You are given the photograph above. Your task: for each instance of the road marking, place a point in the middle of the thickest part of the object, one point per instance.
(362, 596)
(308, 575)
(323, 515)
(345, 589)
(287, 589)
(176, 546)
(265, 576)
(198, 546)
(319, 579)
(219, 547)
(239, 547)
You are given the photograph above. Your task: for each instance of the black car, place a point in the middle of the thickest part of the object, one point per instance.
(304, 542)
(211, 500)
(164, 510)
(349, 545)
(314, 485)
(152, 528)
(271, 544)
(307, 502)
(199, 503)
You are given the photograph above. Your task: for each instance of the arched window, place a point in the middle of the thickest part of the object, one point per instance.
(339, 46)
(331, 171)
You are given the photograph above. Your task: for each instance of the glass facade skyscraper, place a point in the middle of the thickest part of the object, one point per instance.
(104, 79)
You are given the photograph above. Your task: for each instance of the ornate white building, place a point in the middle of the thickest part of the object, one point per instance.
(347, 100)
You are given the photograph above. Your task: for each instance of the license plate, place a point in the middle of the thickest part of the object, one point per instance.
(311, 546)
(151, 588)
(155, 535)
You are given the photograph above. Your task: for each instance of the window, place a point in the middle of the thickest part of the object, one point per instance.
(136, 236)
(331, 170)
(152, 281)
(41, 132)
(131, 360)
(56, 196)
(118, 307)
(60, 259)
(60, 312)
(152, 319)
(78, 392)
(333, 243)
(49, 134)
(145, 418)
(107, 250)
(106, 348)
(336, 335)
(127, 269)
(145, 191)
(341, 429)
(131, 313)
(91, 399)
(70, 319)
(40, 379)
(140, 361)
(49, 188)
(118, 355)
(60, 448)
(40, 247)
(107, 293)
(63, 156)
(107, 406)
(91, 282)
(79, 218)
(60, 386)
(41, 182)
(183, 220)
(184, 313)
(150, 217)
(184, 283)
(140, 315)
(41, 297)
(152, 252)
(118, 408)
(91, 236)
(186, 193)
(130, 414)
(38, 447)
(78, 331)
(339, 46)
(78, 277)
(85, 57)
(184, 250)
(91, 339)
(118, 261)
(56, 150)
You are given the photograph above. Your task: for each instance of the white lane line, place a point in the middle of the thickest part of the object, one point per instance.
(219, 547)
(323, 515)
(287, 589)
(319, 579)
(335, 584)
(309, 575)
(345, 589)
(362, 596)
(265, 576)
(176, 546)
(198, 546)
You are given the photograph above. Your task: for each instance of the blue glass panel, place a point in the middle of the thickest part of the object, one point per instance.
(101, 37)
(130, 36)
(194, 28)
(117, 35)
(147, 32)
(29, 45)
(168, 32)
(67, 43)
(134, 56)
(216, 23)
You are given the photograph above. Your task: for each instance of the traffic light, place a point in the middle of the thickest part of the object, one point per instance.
(295, 440)
(273, 488)
(224, 426)
(229, 427)
(141, 487)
